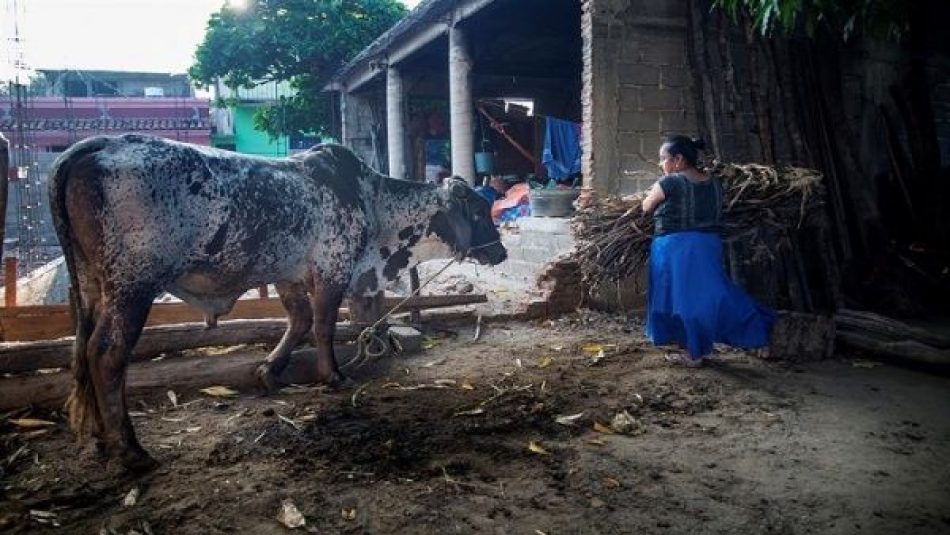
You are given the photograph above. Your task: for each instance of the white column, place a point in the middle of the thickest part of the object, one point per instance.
(395, 126)
(343, 118)
(460, 106)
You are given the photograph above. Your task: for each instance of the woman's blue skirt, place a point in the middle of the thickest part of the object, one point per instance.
(692, 303)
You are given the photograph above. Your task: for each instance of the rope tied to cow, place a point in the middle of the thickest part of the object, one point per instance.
(371, 344)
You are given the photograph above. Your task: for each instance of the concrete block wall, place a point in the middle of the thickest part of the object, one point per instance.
(360, 126)
(533, 243)
(638, 89)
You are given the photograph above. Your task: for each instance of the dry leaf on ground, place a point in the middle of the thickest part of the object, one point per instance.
(290, 516)
(568, 419)
(219, 391)
(31, 423)
(131, 498)
(601, 428)
(535, 447)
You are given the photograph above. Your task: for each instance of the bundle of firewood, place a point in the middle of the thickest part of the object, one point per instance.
(614, 236)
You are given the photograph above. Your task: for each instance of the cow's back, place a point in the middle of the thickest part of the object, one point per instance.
(193, 220)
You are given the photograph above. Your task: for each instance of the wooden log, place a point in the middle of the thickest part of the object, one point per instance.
(18, 357)
(9, 281)
(880, 326)
(48, 322)
(183, 375)
(799, 337)
(910, 351)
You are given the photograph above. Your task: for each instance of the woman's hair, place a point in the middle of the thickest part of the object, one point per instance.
(686, 146)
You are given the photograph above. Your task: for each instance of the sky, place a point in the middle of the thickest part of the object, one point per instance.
(128, 35)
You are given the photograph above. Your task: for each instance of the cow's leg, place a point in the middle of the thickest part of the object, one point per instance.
(293, 295)
(82, 406)
(117, 330)
(326, 299)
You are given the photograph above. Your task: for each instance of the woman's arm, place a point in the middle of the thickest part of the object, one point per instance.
(653, 198)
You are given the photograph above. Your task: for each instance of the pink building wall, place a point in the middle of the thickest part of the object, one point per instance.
(52, 123)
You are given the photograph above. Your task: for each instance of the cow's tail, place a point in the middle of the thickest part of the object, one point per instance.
(81, 404)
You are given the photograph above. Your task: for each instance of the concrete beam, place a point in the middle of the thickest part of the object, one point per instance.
(406, 45)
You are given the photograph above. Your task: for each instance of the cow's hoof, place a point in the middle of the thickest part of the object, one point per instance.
(267, 379)
(138, 462)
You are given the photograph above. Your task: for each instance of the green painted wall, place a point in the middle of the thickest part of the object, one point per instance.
(247, 140)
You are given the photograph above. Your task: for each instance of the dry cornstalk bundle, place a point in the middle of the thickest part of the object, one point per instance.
(613, 236)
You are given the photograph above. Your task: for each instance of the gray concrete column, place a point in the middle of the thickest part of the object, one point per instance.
(460, 106)
(395, 125)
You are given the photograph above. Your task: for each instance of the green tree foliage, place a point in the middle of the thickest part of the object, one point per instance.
(303, 41)
(883, 19)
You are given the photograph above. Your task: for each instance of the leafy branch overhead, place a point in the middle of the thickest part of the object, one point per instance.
(301, 41)
(882, 19)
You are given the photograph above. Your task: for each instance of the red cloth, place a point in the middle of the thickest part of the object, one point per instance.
(515, 196)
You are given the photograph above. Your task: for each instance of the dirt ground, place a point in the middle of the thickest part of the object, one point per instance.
(465, 437)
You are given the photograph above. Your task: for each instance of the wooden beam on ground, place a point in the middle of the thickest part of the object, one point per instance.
(908, 351)
(9, 281)
(48, 322)
(184, 375)
(884, 327)
(19, 357)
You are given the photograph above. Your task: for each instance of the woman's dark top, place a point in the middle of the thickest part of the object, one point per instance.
(689, 205)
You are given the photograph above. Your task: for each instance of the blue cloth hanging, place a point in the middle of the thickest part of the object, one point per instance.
(691, 302)
(562, 148)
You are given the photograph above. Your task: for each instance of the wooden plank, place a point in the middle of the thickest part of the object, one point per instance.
(905, 351)
(9, 281)
(18, 357)
(48, 322)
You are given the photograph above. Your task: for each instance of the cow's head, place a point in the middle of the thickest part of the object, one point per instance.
(466, 225)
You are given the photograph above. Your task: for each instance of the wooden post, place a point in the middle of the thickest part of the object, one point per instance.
(4, 187)
(262, 292)
(415, 317)
(9, 281)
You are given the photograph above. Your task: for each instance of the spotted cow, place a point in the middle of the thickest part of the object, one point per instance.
(137, 215)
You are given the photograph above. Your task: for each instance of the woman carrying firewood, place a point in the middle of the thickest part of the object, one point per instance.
(691, 302)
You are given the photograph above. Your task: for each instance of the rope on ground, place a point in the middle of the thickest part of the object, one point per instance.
(370, 344)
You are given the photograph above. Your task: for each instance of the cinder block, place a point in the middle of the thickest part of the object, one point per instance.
(638, 74)
(639, 121)
(654, 98)
(665, 51)
(539, 255)
(630, 143)
(677, 123)
(666, 9)
(520, 269)
(629, 98)
(410, 340)
(629, 163)
(549, 225)
(630, 51)
(675, 76)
